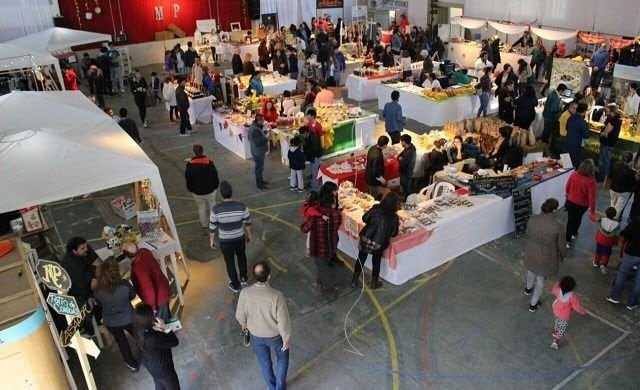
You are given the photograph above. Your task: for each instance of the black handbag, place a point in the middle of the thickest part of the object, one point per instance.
(372, 236)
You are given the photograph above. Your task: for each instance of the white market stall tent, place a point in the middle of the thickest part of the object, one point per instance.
(58, 39)
(16, 59)
(59, 145)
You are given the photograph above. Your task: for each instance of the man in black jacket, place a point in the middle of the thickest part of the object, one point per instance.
(202, 181)
(407, 160)
(189, 58)
(312, 151)
(374, 171)
(129, 125)
(182, 101)
(139, 89)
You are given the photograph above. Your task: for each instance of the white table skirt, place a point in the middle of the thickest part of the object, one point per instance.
(432, 113)
(365, 130)
(275, 89)
(362, 88)
(456, 236)
(233, 137)
(200, 110)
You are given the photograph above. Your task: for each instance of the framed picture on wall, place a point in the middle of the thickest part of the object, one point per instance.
(235, 26)
(270, 21)
(329, 4)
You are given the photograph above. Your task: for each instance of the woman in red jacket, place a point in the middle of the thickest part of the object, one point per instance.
(581, 196)
(269, 112)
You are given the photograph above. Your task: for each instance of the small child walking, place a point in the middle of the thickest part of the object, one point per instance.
(297, 164)
(606, 238)
(565, 303)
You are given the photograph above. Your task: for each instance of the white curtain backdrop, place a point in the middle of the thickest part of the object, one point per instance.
(287, 10)
(553, 35)
(308, 8)
(23, 17)
(468, 22)
(508, 28)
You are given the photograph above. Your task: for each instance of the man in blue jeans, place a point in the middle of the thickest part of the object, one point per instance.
(262, 311)
(259, 147)
(630, 259)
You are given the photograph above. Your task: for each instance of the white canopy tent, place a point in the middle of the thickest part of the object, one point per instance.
(58, 145)
(58, 39)
(14, 58)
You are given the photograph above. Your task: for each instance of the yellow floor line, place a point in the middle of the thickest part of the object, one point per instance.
(278, 205)
(277, 265)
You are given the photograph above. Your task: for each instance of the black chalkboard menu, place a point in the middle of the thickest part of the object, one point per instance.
(497, 185)
(522, 209)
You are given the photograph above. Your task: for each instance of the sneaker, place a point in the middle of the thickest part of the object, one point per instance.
(145, 124)
(611, 300)
(574, 236)
(234, 289)
(300, 190)
(244, 283)
(184, 135)
(632, 307)
(132, 368)
(554, 345)
(292, 188)
(528, 291)
(569, 245)
(246, 338)
(603, 270)
(594, 265)
(534, 308)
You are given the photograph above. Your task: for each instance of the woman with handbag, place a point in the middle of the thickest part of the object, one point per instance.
(381, 223)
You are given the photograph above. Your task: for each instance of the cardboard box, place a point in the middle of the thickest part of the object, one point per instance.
(176, 30)
(164, 35)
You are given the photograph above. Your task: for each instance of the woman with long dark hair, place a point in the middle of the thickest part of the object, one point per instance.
(581, 196)
(115, 295)
(381, 223)
(155, 344)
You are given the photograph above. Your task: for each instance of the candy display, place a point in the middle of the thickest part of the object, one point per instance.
(439, 94)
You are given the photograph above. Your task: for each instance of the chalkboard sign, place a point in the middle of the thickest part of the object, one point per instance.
(63, 304)
(497, 185)
(53, 275)
(522, 209)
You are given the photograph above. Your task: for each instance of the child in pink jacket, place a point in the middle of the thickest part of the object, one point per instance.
(566, 302)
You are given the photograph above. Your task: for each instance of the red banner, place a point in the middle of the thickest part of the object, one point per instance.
(591, 39)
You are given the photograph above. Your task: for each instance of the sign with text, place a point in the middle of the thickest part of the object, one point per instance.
(53, 275)
(522, 209)
(497, 185)
(74, 325)
(63, 304)
(389, 5)
(329, 4)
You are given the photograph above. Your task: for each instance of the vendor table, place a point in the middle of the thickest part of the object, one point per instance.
(231, 136)
(363, 129)
(364, 88)
(227, 50)
(466, 55)
(352, 64)
(200, 109)
(356, 175)
(431, 113)
(459, 231)
(274, 86)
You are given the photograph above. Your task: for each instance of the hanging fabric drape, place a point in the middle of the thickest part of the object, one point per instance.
(23, 17)
(469, 23)
(591, 39)
(553, 35)
(620, 43)
(508, 28)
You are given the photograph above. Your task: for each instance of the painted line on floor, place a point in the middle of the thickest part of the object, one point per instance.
(277, 265)
(591, 361)
(278, 205)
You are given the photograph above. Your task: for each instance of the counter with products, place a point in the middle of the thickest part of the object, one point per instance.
(361, 85)
(417, 106)
(345, 129)
(628, 140)
(435, 231)
(467, 53)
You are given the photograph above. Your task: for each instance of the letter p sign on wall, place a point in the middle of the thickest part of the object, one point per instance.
(176, 9)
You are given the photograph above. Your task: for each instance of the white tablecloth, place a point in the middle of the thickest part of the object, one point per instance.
(200, 110)
(362, 88)
(431, 113)
(459, 234)
(233, 137)
(276, 86)
(365, 130)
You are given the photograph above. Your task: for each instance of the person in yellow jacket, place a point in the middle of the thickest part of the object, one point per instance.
(564, 117)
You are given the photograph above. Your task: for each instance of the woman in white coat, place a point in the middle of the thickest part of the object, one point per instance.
(169, 96)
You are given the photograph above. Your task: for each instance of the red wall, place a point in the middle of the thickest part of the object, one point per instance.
(138, 16)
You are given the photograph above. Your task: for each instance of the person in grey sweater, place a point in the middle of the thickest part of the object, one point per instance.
(545, 250)
(115, 295)
(262, 310)
(259, 147)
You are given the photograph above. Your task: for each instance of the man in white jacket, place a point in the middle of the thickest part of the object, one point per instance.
(169, 96)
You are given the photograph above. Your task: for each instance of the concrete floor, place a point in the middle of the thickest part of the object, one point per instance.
(465, 325)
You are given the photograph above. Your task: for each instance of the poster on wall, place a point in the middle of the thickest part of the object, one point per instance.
(329, 4)
(270, 21)
(389, 5)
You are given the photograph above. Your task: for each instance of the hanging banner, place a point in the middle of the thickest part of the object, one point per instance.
(508, 28)
(469, 23)
(553, 35)
(620, 43)
(591, 39)
(329, 4)
(389, 5)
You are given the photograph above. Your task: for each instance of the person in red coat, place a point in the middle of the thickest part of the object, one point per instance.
(581, 196)
(148, 279)
(70, 79)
